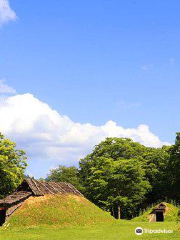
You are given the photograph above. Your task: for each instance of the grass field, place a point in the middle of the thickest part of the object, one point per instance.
(122, 231)
(69, 217)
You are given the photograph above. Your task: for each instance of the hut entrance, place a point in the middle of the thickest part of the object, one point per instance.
(2, 216)
(160, 216)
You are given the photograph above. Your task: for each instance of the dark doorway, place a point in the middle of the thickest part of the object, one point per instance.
(159, 217)
(2, 217)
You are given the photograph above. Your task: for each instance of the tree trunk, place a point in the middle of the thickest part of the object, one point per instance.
(119, 212)
(113, 212)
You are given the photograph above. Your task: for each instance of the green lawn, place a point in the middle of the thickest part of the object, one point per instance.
(42, 219)
(122, 231)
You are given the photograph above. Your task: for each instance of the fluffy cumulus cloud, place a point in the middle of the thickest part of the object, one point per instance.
(6, 13)
(51, 139)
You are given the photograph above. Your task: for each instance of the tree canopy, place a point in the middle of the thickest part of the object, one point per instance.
(122, 176)
(125, 177)
(12, 166)
(174, 169)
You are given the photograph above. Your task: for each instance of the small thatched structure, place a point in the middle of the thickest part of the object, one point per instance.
(158, 213)
(31, 187)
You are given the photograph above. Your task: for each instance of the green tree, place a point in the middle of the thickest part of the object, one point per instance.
(65, 174)
(174, 169)
(12, 166)
(113, 176)
(157, 169)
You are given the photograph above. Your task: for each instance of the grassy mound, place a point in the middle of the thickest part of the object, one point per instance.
(58, 210)
(172, 214)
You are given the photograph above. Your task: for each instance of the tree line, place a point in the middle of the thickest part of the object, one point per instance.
(120, 175)
(125, 177)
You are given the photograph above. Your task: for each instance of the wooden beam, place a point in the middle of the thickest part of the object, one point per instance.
(49, 183)
(2, 209)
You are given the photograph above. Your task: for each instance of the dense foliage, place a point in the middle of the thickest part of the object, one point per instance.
(174, 170)
(123, 176)
(113, 175)
(12, 166)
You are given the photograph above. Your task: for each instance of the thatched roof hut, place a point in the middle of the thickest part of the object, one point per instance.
(158, 213)
(31, 187)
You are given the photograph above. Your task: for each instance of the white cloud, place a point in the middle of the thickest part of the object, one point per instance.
(5, 89)
(50, 138)
(6, 13)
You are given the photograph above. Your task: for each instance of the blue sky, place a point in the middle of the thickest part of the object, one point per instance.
(95, 61)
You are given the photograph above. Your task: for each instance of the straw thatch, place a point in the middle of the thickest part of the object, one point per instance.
(31, 187)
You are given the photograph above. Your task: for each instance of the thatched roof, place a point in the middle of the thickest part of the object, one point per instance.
(32, 187)
(40, 188)
(14, 198)
(160, 208)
